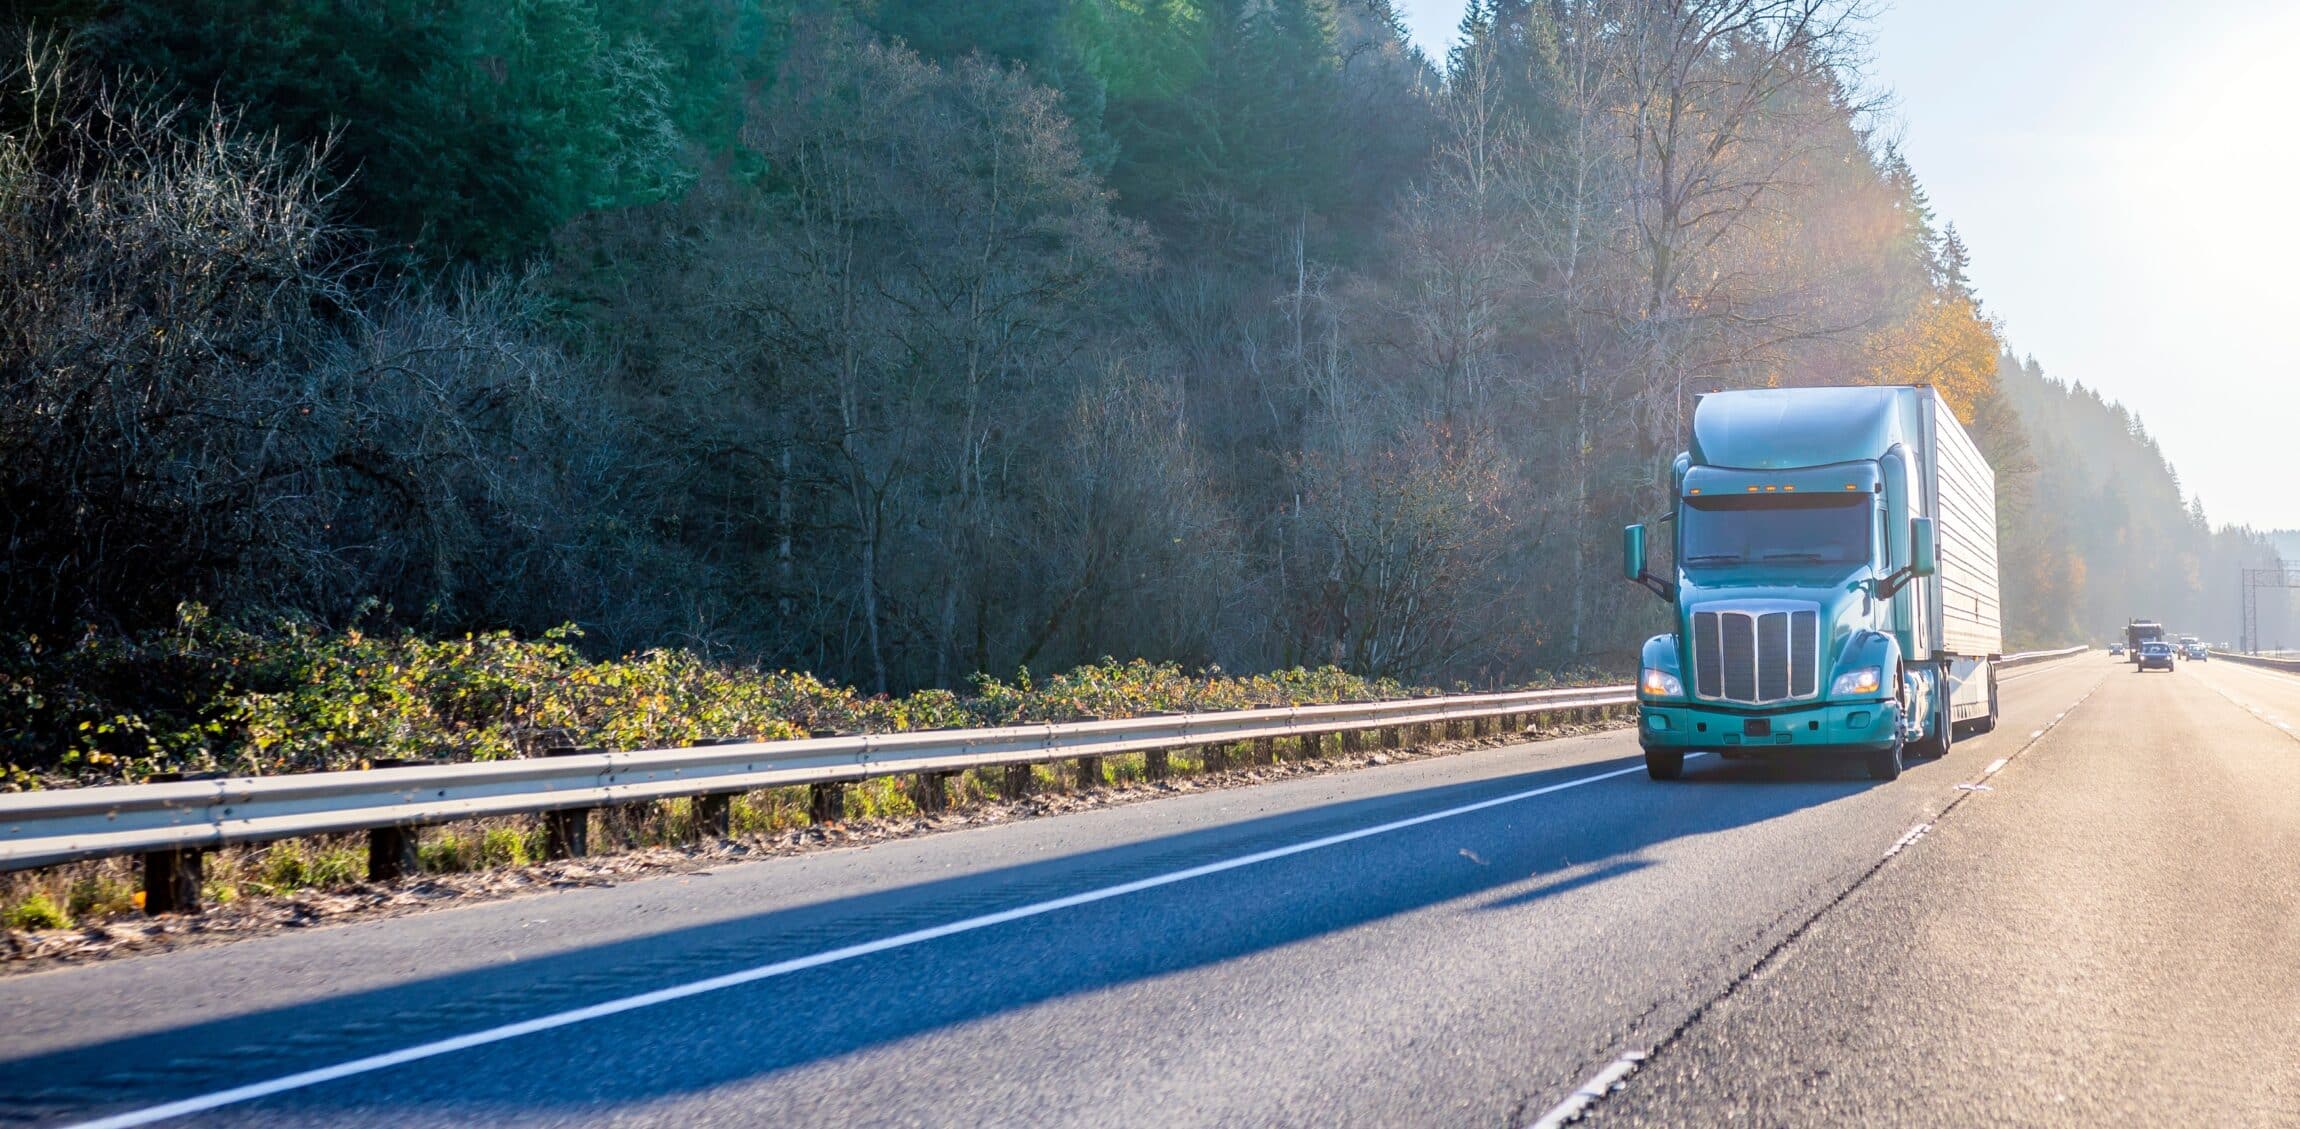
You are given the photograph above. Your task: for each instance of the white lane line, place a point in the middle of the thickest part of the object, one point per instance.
(1914, 834)
(1578, 1103)
(1609, 1079)
(389, 1059)
(1998, 764)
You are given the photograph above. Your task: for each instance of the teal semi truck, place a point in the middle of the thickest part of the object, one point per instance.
(1834, 581)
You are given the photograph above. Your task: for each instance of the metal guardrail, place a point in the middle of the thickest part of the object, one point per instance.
(2272, 662)
(181, 818)
(171, 823)
(2025, 657)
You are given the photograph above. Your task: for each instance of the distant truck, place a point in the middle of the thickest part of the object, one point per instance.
(1834, 582)
(2138, 631)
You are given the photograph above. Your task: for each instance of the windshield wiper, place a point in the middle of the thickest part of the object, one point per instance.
(1784, 555)
(1716, 558)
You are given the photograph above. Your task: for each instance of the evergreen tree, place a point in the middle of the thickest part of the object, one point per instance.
(468, 130)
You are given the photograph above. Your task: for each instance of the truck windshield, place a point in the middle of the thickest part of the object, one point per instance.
(1808, 529)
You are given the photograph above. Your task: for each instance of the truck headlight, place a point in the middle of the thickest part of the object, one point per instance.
(1659, 683)
(1867, 680)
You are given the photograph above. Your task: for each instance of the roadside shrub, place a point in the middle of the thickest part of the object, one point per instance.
(205, 695)
(100, 895)
(291, 865)
(37, 912)
(444, 853)
(504, 846)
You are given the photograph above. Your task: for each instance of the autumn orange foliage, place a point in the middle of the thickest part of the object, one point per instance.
(1946, 342)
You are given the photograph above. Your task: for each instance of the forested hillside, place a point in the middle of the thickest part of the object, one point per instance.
(2106, 534)
(901, 341)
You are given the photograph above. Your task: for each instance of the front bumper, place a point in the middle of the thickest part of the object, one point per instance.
(1859, 726)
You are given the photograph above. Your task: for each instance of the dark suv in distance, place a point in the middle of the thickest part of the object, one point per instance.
(2196, 651)
(2155, 654)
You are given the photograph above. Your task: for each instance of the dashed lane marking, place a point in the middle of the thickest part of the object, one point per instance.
(1578, 1102)
(1913, 834)
(1613, 1077)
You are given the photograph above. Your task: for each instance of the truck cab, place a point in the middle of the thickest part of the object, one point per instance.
(1833, 581)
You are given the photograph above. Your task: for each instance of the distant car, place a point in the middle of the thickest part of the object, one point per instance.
(2155, 653)
(2116, 648)
(2197, 651)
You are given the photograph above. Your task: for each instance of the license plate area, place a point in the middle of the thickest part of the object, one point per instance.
(1757, 727)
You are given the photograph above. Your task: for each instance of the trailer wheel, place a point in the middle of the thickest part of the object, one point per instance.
(1664, 764)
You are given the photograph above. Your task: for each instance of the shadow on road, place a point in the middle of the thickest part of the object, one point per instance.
(1512, 856)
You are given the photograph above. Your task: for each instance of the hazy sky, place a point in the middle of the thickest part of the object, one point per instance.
(2125, 173)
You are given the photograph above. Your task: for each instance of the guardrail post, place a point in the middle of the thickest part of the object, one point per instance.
(1156, 765)
(1307, 746)
(172, 882)
(1016, 783)
(711, 816)
(567, 832)
(391, 853)
(1214, 758)
(931, 791)
(1265, 751)
(172, 879)
(826, 803)
(1090, 773)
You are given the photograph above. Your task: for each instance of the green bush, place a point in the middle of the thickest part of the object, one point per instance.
(445, 853)
(504, 846)
(100, 896)
(206, 695)
(37, 912)
(290, 865)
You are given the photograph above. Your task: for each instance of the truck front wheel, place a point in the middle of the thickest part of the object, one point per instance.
(1936, 744)
(1885, 764)
(1664, 764)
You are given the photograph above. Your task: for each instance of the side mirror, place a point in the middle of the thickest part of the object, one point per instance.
(1633, 563)
(1924, 556)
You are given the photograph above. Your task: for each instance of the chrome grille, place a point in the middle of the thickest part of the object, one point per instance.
(1756, 655)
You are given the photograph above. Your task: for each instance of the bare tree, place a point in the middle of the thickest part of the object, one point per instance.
(943, 252)
(1700, 89)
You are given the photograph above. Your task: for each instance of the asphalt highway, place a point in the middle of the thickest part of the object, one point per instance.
(2106, 932)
